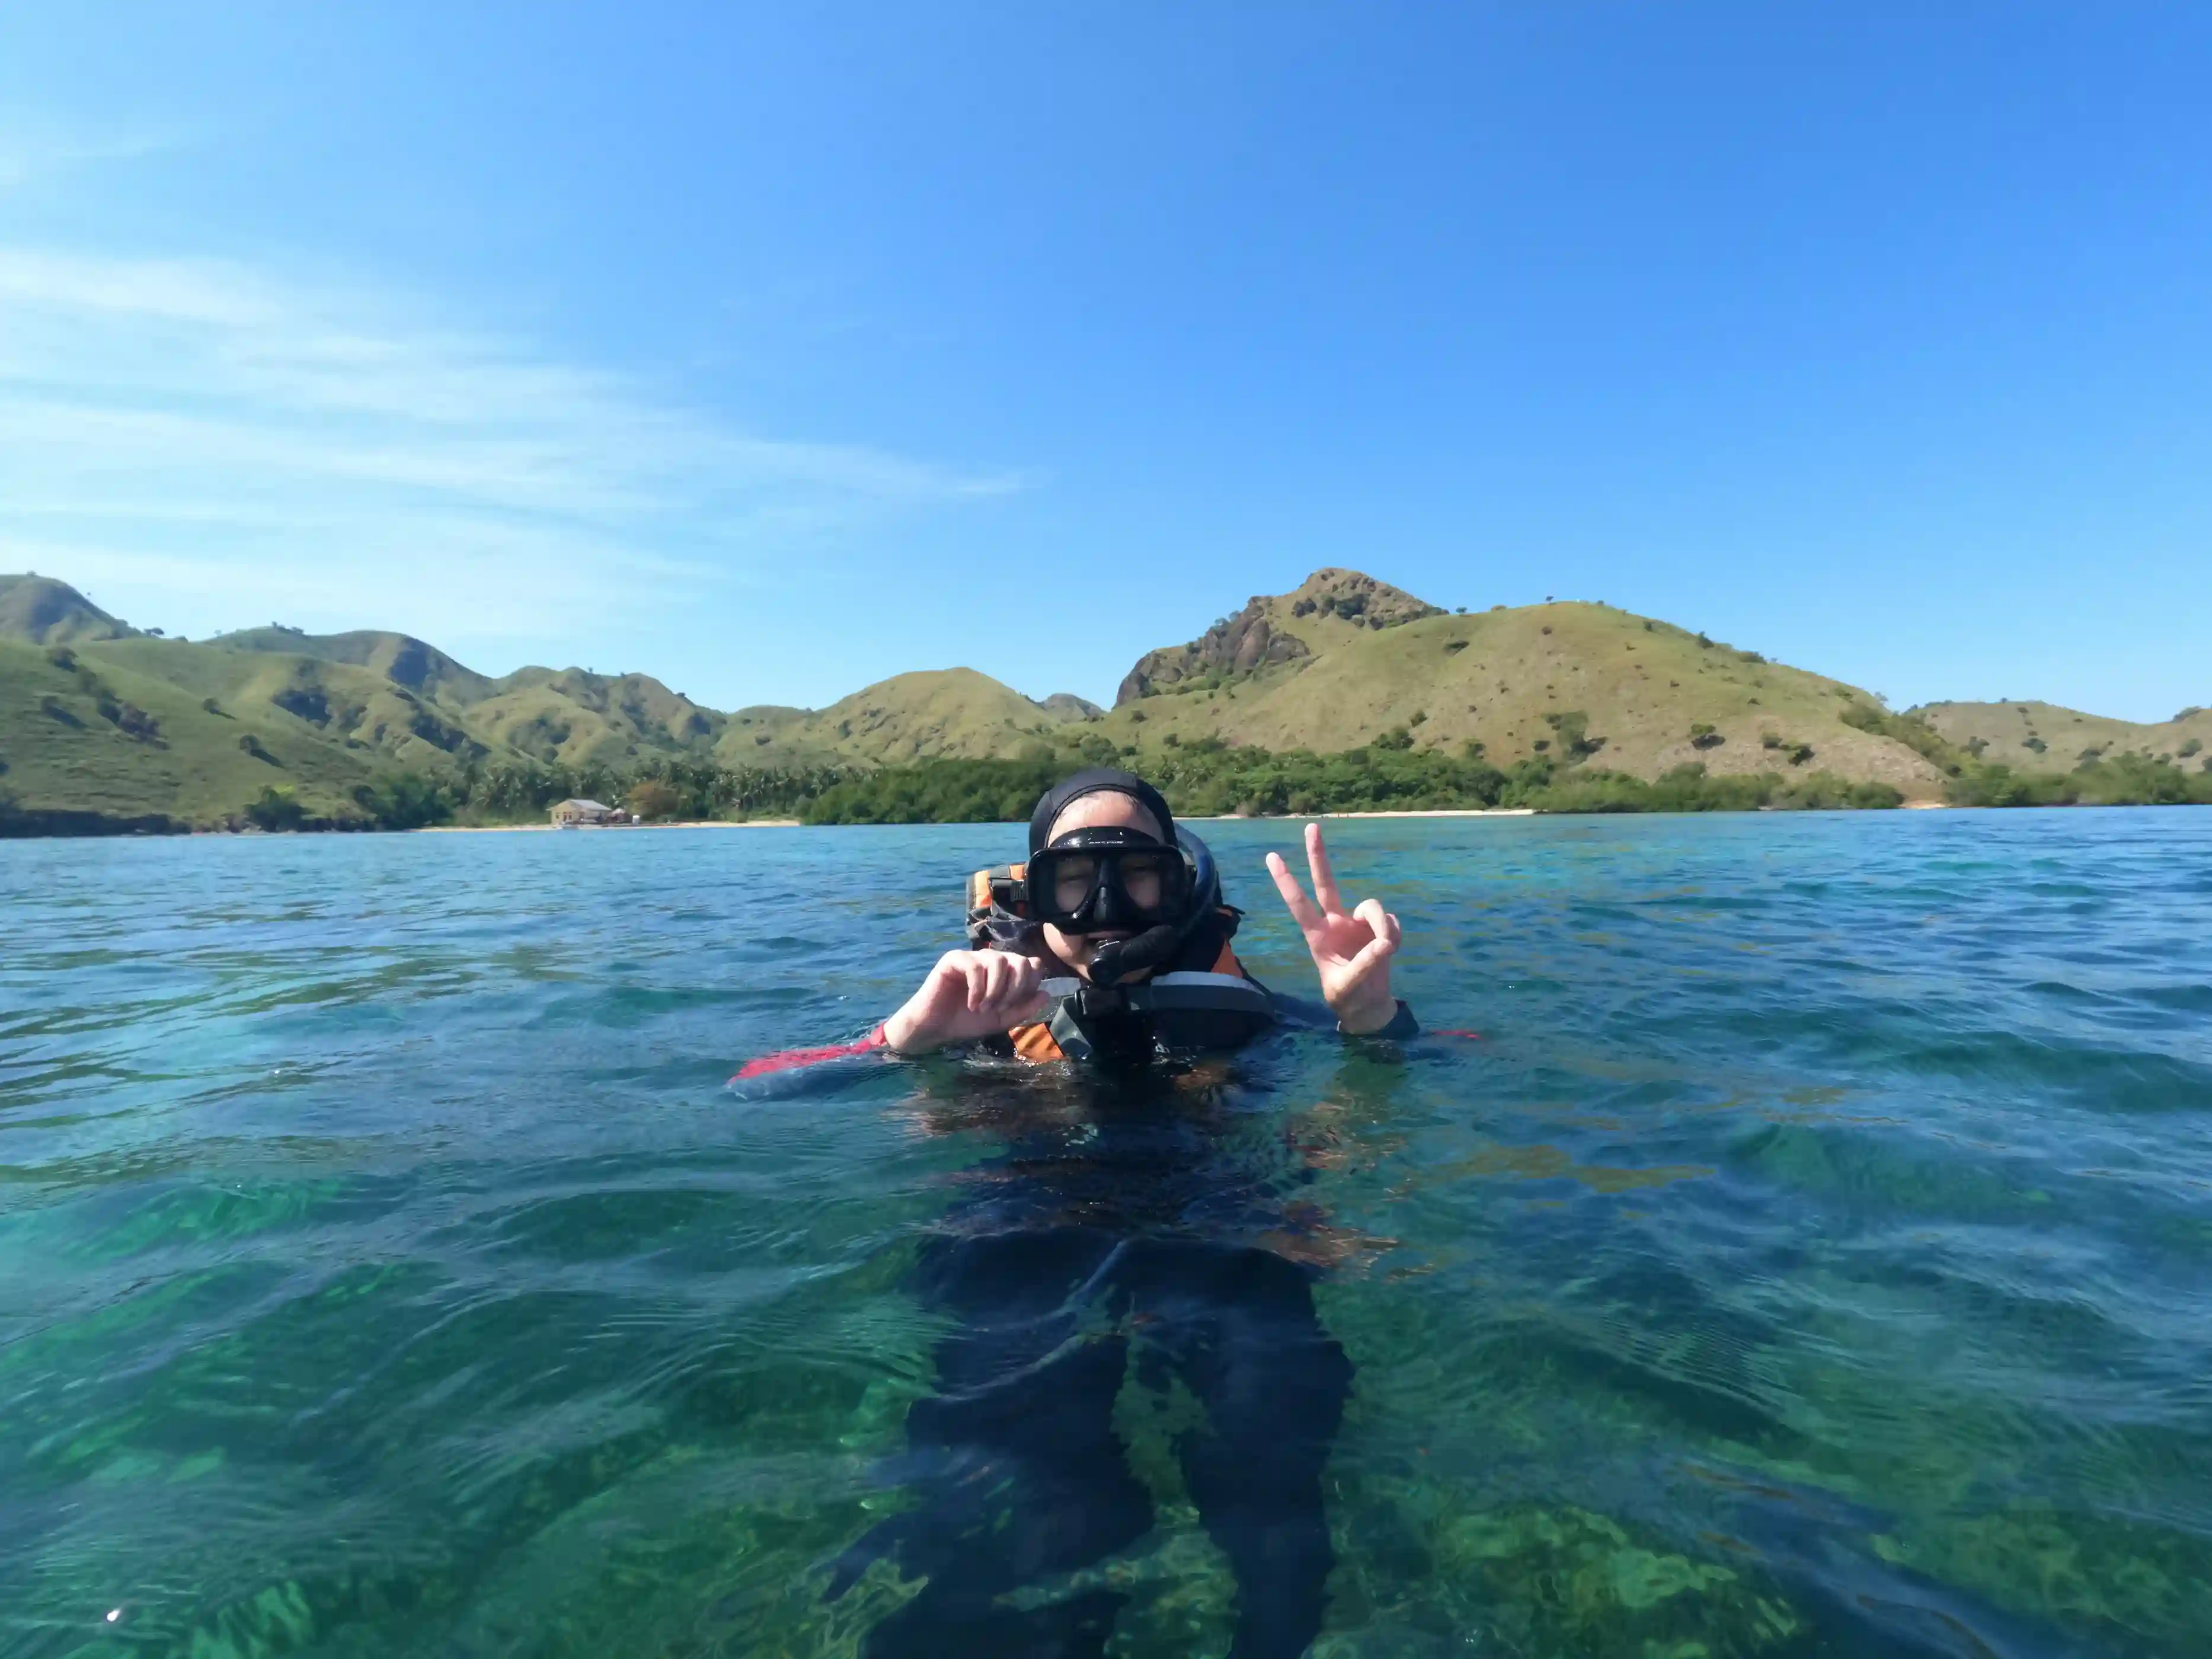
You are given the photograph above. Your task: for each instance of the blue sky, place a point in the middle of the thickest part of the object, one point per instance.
(774, 350)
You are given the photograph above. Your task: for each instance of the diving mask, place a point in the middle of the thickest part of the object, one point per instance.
(1109, 878)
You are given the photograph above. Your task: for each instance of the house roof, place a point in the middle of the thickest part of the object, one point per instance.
(588, 806)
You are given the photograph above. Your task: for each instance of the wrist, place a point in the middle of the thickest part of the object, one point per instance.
(1358, 1017)
(904, 1034)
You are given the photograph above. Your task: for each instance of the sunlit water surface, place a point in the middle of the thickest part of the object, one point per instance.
(1813, 1255)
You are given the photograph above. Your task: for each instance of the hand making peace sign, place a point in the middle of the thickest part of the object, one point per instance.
(1351, 950)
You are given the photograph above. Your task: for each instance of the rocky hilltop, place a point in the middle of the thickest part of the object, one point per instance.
(1327, 606)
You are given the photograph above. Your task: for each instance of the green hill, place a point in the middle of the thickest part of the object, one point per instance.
(398, 657)
(137, 726)
(942, 714)
(95, 717)
(1575, 682)
(568, 714)
(2033, 737)
(39, 611)
(538, 714)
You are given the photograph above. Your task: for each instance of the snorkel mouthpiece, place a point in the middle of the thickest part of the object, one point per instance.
(1117, 959)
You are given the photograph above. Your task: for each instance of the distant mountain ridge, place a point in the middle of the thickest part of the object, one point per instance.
(98, 716)
(2042, 735)
(400, 658)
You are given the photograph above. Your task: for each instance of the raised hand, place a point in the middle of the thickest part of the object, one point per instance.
(1351, 950)
(970, 993)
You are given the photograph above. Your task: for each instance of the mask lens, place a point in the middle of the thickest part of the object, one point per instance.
(1074, 876)
(1144, 878)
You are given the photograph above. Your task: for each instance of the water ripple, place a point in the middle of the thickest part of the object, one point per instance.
(1813, 1255)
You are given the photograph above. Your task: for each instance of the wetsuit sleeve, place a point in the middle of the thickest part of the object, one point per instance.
(794, 1058)
(1402, 1025)
(1315, 1015)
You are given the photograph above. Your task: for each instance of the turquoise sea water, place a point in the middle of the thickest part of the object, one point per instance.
(1813, 1255)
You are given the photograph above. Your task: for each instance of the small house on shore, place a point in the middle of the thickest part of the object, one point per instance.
(571, 814)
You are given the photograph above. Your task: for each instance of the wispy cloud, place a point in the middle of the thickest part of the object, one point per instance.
(31, 149)
(217, 441)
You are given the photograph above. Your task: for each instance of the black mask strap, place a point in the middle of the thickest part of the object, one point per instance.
(1097, 781)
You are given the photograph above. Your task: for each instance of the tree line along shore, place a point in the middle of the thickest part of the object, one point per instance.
(1206, 778)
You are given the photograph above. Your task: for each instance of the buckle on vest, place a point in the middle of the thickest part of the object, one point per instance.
(1092, 1000)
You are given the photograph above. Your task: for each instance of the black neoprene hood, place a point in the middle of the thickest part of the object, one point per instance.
(1098, 781)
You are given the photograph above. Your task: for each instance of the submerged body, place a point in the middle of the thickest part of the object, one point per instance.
(1121, 1239)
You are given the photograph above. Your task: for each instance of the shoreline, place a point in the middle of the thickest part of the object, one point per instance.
(1435, 812)
(1407, 813)
(593, 828)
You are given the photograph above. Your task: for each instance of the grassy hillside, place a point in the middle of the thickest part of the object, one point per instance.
(935, 714)
(39, 611)
(566, 715)
(2034, 737)
(398, 657)
(948, 713)
(544, 715)
(196, 732)
(84, 728)
(1572, 682)
(96, 717)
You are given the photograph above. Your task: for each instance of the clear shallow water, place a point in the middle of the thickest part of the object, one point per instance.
(1813, 1255)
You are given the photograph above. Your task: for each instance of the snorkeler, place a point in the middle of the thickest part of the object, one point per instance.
(1113, 936)
(1140, 1235)
(1112, 945)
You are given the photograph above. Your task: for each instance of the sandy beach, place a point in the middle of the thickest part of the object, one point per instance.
(1438, 812)
(601, 829)
(1422, 812)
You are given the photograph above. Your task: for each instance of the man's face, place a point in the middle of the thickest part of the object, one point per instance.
(1103, 811)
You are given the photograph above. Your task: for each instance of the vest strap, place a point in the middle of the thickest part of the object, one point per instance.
(1188, 993)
